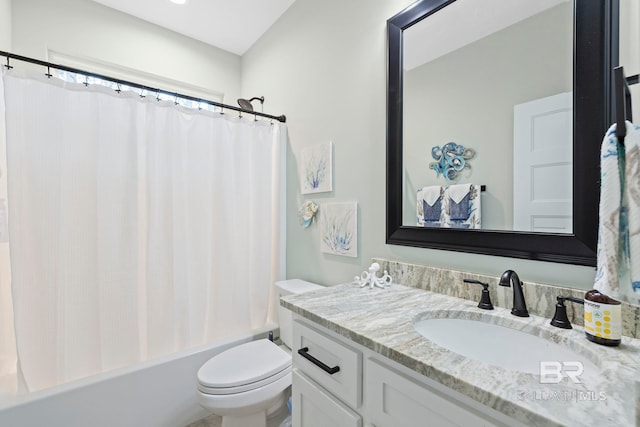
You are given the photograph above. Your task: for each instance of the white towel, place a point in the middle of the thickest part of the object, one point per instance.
(631, 199)
(618, 256)
(430, 194)
(458, 192)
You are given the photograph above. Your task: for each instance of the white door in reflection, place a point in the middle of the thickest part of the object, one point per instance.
(542, 156)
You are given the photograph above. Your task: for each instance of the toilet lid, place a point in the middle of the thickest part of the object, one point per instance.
(244, 364)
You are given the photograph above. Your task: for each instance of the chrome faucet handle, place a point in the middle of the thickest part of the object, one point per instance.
(560, 318)
(485, 299)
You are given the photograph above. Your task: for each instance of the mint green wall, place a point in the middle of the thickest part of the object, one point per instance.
(5, 25)
(630, 47)
(89, 30)
(323, 65)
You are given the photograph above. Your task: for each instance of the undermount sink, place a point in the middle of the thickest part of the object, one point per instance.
(499, 345)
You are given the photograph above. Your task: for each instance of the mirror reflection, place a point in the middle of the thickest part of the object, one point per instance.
(486, 86)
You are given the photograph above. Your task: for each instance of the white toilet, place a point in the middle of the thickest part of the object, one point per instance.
(248, 383)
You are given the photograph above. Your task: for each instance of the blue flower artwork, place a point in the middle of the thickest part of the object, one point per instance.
(339, 228)
(451, 159)
(316, 165)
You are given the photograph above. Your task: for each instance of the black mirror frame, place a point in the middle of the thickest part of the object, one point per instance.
(595, 55)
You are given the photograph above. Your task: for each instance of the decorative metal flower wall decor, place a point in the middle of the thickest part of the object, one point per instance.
(451, 159)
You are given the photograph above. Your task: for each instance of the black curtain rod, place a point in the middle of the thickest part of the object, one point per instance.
(49, 65)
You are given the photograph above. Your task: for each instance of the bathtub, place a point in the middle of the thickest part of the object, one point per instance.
(156, 393)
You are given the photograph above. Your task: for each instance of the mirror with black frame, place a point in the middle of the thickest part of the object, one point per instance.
(456, 83)
(486, 98)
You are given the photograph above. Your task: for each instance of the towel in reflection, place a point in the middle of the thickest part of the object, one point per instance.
(462, 206)
(429, 206)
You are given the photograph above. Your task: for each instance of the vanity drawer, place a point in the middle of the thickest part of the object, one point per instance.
(334, 365)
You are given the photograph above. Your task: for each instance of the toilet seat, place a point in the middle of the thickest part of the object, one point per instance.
(244, 368)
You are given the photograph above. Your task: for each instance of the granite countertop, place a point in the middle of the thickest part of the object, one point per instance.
(382, 320)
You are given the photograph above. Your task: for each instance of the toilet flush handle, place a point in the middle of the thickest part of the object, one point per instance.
(304, 352)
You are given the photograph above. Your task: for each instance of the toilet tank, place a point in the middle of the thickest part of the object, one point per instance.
(288, 287)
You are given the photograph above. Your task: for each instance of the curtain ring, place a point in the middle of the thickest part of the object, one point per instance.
(118, 88)
(158, 95)
(48, 72)
(142, 93)
(8, 67)
(86, 81)
(175, 101)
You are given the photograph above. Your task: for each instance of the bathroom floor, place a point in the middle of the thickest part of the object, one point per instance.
(210, 421)
(216, 420)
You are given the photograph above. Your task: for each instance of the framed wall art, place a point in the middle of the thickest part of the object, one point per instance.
(316, 168)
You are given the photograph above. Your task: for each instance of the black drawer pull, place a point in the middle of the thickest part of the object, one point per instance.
(304, 352)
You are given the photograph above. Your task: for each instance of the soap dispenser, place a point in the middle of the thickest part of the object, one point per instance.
(602, 318)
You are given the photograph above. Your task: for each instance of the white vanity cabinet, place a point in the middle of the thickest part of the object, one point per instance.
(394, 399)
(313, 406)
(369, 390)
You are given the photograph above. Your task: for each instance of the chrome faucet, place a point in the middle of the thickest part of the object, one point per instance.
(519, 305)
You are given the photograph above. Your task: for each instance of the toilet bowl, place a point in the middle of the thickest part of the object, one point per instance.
(248, 383)
(245, 384)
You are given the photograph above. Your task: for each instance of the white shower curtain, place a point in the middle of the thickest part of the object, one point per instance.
(138, 228)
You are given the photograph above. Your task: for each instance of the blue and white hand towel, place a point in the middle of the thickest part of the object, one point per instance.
(429, 206)
(618, 256)
(631, 199)
(462, 206)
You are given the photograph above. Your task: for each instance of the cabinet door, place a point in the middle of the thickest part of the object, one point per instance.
(395, 400)
(312, 406)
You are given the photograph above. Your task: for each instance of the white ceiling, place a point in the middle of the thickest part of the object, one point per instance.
(232, 25)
